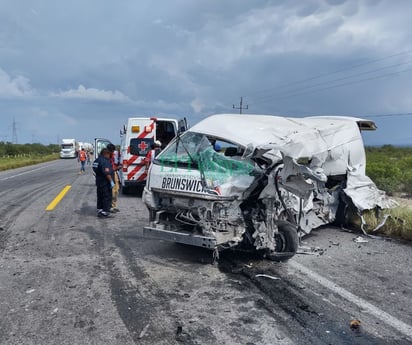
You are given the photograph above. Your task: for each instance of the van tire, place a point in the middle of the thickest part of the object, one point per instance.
(287, 242)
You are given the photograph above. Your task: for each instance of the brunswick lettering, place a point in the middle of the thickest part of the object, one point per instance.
(182, 184)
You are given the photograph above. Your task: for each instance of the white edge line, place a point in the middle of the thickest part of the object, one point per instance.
(399, 325)
(26, 172)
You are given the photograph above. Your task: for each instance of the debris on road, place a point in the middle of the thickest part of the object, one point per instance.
(144, 330)
(305, 250)
(30, 291)
(267, 276)
(355, 324)
(179, 330)
(360, 239)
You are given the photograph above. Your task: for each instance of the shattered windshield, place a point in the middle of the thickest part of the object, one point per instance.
(182, 150)
(209, 155)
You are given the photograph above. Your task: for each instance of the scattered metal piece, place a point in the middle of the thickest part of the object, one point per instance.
(267, 276)
(144, 330)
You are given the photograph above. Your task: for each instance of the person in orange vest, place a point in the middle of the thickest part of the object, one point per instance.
(82, 159)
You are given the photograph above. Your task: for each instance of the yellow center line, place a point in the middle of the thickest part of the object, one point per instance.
(58, 198)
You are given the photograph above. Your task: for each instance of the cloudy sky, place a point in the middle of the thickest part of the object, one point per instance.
(80, 68)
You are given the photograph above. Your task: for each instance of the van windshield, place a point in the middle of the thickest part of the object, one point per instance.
(198, 151)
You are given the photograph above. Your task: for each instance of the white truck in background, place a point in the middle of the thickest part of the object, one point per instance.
(85, 146)
(136, 139)
(69, 148)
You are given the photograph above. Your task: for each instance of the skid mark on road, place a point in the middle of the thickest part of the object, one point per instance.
(399, 325)
(140, 302)
(302, 308)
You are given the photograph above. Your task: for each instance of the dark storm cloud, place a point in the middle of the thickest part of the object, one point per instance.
(66, 63)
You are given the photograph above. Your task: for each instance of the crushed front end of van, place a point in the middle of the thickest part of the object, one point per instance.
(258, 182)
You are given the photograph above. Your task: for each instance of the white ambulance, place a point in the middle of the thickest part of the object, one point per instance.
(137, 138)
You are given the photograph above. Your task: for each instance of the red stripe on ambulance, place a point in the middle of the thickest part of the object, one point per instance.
(132, 159)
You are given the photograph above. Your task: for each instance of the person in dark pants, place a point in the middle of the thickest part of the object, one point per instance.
(104, 183)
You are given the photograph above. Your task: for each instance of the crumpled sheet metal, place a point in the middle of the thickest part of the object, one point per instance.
(364, 193)
(323, 139)
(333, 145)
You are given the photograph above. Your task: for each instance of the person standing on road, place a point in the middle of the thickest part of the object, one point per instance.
(102, 167)
(115, 161)
(82, 159)
(152, 154)
(88, 154)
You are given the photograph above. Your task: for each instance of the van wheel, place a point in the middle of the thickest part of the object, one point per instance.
(287, 242)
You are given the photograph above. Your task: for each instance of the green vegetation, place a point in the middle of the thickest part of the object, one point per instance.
(390, 168)
(398, 223)
(19, 155)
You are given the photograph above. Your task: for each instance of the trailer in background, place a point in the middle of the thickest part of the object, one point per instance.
(69, 148)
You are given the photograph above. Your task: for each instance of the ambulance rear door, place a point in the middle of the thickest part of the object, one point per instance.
(139, 136)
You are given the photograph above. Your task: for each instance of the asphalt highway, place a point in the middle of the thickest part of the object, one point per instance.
(68, 277)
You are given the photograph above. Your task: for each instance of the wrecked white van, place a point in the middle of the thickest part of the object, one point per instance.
(258, 181)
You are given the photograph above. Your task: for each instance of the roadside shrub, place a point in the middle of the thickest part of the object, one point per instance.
(390, 168)
(398, 224)
(9, 149)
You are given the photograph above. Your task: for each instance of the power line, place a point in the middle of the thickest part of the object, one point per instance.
(334, 86)
(388, 115)
(334, 80)
(371, 61)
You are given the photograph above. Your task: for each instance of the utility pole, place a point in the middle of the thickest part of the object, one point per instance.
(14, 136)
(241, 106)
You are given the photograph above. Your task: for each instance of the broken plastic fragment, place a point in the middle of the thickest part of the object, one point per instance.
(360, 239)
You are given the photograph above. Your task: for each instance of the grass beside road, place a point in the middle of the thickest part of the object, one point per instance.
(7, 163)
(398, 224)
(390, 168)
